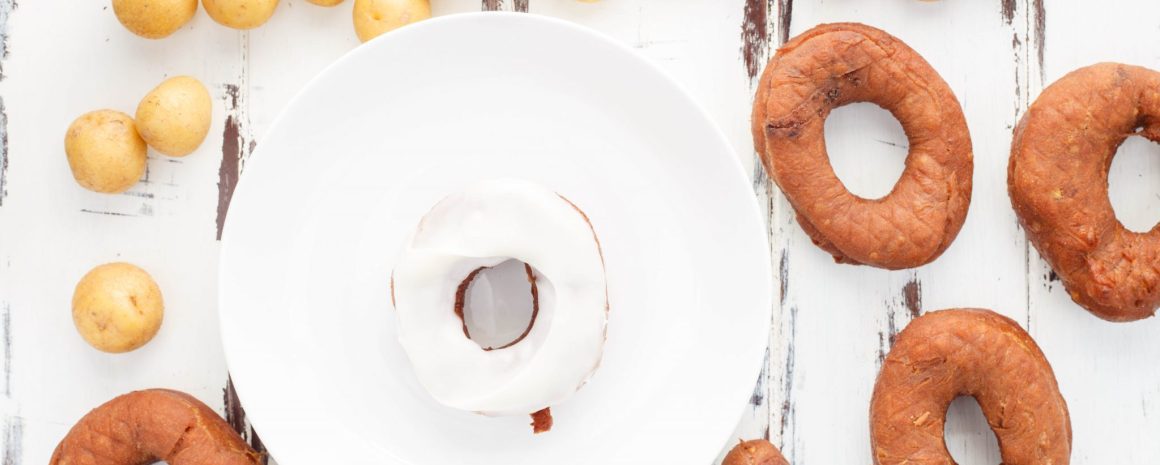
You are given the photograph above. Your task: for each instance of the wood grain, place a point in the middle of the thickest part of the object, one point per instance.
(237, 144)
(235, 415)
(3, 150)
(502, 5)
(755, 36)
(1103, 368)
(757, 28)
(6, 8)
(769, 22)
(845, 317)
(13, 436)
(831, 323)
(11, 424)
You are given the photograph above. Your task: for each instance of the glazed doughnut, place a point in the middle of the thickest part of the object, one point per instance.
(755, 452)
(1058, 182)
(482, 226)
(978, 353)
(144, 427)
(836, 64)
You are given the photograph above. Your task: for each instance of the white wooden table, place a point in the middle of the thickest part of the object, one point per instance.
(832, 325)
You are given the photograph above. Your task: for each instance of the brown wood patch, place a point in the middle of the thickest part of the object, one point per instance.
(235, 415)
(755, 35)
(236, 146)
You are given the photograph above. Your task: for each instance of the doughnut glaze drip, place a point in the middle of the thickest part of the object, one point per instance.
(482, 226)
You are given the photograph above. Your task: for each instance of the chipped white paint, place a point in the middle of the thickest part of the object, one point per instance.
(832, 322)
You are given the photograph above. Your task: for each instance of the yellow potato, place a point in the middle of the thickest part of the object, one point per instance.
(154, 19)
(374, 17)
(325, 2)
(174, 117)
(240, 14)
(117, 307)
(104, 151)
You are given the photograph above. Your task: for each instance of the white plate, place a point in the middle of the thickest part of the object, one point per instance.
(354, 161)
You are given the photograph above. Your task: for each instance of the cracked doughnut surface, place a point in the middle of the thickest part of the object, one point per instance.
(836, 64)
(144, 427)
(1058, 182)
(755, 452)
(967, 352)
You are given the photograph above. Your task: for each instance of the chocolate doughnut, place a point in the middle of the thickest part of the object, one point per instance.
(836, 64)
(978, 353)
(1058, 182)
(755, 452)
(144, 427)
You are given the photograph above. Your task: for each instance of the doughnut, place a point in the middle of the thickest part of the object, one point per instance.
(836, 64)
(755, 452)
(148, 426)
(1057, 179)
(972, 352)
(485, 224)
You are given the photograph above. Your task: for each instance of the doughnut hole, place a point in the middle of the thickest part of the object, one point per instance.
(867, 148)
(500, 304)
(1134, 184)
(968, 436)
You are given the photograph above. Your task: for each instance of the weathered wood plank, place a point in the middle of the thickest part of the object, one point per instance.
(770, 411)
(844, 318)
(832, 323)
(235, 415)
(6, 8)
(1104, 369)
(237, 140)
(504, 5)
(11, 423)
(65, 59)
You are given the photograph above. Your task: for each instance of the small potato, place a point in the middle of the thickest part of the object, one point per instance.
(240, 14)
(104, 151)
(117, 307)
(374, 17)
(154, 19)
(325, 2)
(174, 117)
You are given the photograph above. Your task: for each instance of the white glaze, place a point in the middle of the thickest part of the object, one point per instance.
(481, 226)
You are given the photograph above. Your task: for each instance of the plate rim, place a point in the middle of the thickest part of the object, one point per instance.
(766, 268)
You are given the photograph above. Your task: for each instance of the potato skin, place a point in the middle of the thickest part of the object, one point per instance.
(374, 17)
(117, 307)
(325, 2)
(755, 452)
(240, 14)
(175, 116)
(104, 151)
(154, 19)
